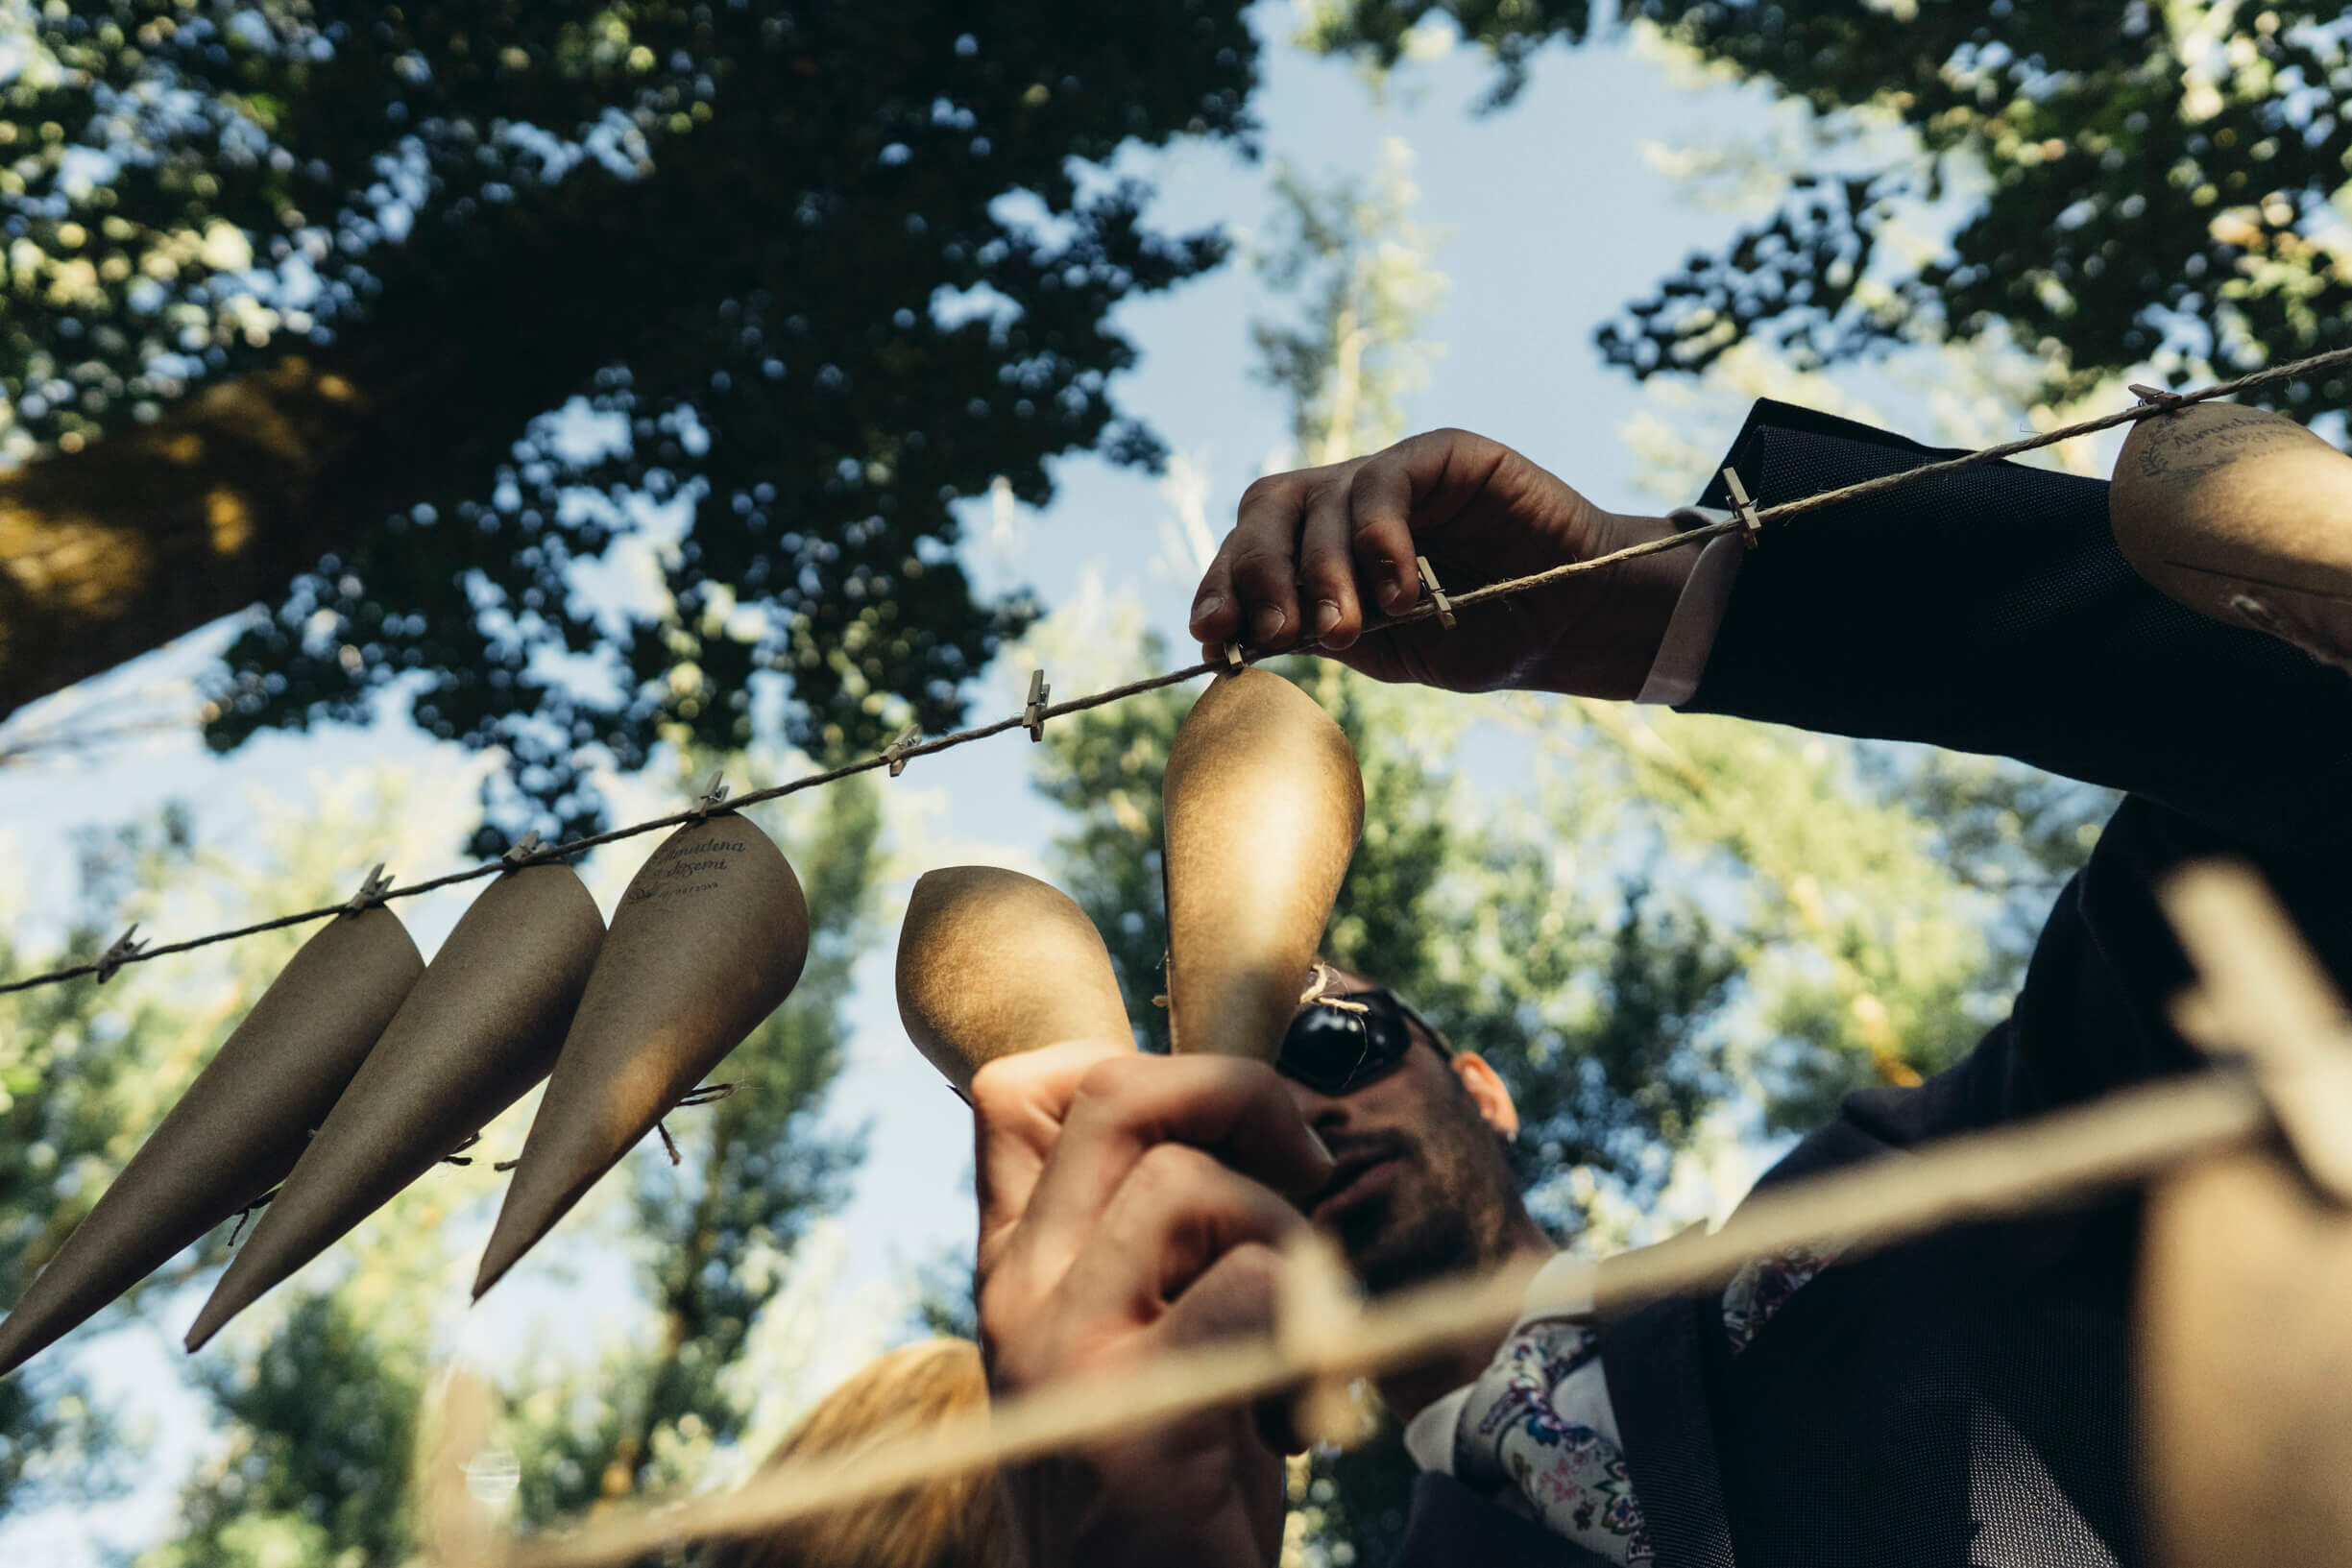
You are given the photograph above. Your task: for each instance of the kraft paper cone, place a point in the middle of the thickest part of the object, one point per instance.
(1263, 802)
(237, 1130)
(709, 940)
(479, 1031)
(991, 962)
(2243, 515)
(2244, 1368)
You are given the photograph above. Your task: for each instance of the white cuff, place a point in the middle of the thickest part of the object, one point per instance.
(1698, 615)
(1429, 1436)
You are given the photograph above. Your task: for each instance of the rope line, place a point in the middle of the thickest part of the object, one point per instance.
(896, 756)
(2066, 1155)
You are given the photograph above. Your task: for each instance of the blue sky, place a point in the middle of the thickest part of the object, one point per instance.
(1553, 219)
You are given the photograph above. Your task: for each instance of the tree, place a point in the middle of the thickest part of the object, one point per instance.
(297, 292)
(2140, 183)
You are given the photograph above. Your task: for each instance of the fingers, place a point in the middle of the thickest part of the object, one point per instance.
(1261, 557)
(1379, 548)
(1326, 568)
(1237, 1110)
(1313, 552)
(1250, 593)
(1175, 1216)
(1018, 1105)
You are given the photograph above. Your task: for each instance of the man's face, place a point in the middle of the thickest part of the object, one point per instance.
(1424, 1186)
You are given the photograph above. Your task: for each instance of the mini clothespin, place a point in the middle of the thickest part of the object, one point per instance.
(370, 891)
(1316, 1313)
(712, 795)
(703, 1095)
(1744, 508)
(1034, 713)
(523, 849)
(120, 953)
(1233, 659)
(895, 753)
(1429, 581)
(2165, 401)
(2260, 993)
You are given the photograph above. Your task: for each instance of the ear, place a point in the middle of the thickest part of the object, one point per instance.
(1487, 1092)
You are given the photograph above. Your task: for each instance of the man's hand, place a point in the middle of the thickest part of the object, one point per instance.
(1130, 1204)
(1318, 552)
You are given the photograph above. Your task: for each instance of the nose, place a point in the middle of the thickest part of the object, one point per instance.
(1320, 1111)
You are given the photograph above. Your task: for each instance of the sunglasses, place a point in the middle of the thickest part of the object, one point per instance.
(1338, 1051)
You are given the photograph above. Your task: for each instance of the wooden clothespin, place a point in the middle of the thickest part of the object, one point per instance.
(120, 953)
(1437, 594)
(370, 891)
(895, 753)
(2260, 993)
(703, 1095)
(2165, 401)
(1034, 713)
(522, 849)
(1316, 1314)
(1744, 508)
(1233, 659)
(712, 795)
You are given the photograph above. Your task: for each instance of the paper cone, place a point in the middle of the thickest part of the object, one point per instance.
(237, 1130)
(2244, 1352)
(2243, 515)
(991, 962)
(1263, 803)
(478, 1031)
(709, 940)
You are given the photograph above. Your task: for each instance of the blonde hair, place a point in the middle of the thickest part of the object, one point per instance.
(958, 1522)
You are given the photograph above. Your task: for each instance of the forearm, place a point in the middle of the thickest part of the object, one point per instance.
(1990, 612)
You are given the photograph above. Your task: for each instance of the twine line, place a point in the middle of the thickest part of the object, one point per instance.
(1034, 714)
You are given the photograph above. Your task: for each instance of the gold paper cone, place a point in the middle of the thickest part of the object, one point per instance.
(2244, 1366)
(237, 1130)
(709, 940)
(478, 1031)
(2243, 515)
(991, 962)
(1263, 803)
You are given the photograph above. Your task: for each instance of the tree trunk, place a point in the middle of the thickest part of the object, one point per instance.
(152, 532)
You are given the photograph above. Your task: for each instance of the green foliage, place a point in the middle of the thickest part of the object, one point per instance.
(2138, 183)
(322, 1436)
(71, 1059)
(771, 261)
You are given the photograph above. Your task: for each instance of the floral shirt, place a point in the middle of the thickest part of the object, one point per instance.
(1536, 1431)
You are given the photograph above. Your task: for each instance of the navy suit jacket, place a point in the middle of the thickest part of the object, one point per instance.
(1965, 1400)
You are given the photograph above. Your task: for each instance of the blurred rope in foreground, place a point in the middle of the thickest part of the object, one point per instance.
(2260, 996)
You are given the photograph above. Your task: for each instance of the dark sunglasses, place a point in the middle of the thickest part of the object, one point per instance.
(1338, 1051)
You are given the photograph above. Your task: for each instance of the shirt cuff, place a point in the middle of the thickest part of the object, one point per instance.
(1698, 615)
(1429, 1436)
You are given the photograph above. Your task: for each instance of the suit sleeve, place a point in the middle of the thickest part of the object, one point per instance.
(1990, 610)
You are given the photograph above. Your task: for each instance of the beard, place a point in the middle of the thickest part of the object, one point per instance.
(1439, 1214)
